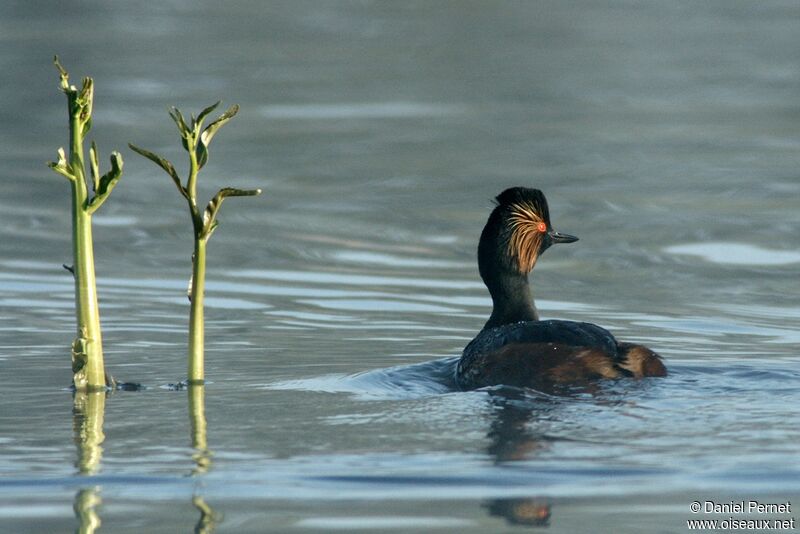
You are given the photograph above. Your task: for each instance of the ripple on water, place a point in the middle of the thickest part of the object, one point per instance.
(319, 277)
(399, 382)
(358, 110)
(361, 257)
(736, 253)
(382, 305)
(383, 522)
(28, 265)
(115, 220)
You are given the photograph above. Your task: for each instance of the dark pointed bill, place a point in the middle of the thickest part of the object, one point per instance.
(557, 237)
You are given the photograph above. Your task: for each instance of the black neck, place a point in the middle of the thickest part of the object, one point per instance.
(511, 296)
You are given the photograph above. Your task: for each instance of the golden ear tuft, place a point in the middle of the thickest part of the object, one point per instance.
(527, 231)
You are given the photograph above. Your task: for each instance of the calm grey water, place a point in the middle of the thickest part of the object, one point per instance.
(666, 135)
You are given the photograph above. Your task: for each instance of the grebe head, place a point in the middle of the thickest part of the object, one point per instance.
(517, 232)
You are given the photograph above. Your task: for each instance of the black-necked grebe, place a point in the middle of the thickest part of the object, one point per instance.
(515, 348)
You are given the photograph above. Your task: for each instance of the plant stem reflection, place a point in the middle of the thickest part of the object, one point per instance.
(202, 457)
(88, 412)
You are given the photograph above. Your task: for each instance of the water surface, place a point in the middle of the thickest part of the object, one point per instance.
(665, 135)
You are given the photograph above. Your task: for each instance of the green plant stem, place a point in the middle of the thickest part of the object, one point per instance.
(86, 308)
(195, 140)
(196, 324)
(196, 361)
(87, 349)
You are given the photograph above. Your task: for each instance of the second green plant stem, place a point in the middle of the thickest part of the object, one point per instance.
(195, 139)
(196, 364)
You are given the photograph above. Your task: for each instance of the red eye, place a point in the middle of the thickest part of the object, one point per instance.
(541, 227)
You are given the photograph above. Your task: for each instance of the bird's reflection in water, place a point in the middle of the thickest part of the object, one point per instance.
(511, 436)
(88, 412)
(513, 439)
(529, 512)
(209, 519)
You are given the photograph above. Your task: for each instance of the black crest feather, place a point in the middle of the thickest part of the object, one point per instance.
(525, 196)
